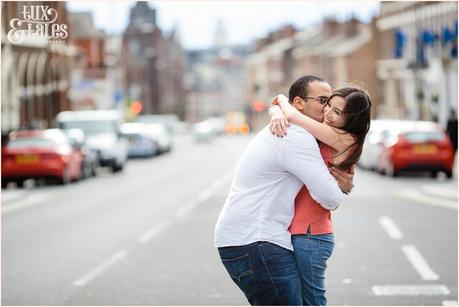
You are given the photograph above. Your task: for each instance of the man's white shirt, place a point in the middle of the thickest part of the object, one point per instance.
(269, 175)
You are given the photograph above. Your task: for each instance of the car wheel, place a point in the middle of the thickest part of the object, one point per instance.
(86, 170)
(117, 168)
(4, 184)
(65, 179)
(434, 174)
(389, 170)
(449, 174)
(20, 183)
(93, 170)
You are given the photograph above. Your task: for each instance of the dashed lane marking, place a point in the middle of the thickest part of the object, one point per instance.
(410, 290)
(27, 201)
(414, 195)
(419, 263)
(204, 195)
(101, 268)
(449, 303)
(146, 236)
(389, 226)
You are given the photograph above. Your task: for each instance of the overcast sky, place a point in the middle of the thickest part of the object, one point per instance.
(243, 21)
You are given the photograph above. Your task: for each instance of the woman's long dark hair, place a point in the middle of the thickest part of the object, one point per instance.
(358, 115)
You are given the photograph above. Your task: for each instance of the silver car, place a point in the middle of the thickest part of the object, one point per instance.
(140, 142)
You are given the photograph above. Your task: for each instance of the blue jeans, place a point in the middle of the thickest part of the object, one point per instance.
(265, 272)
(311, 254)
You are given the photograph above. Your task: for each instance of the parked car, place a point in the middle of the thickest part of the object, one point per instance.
(168, 120)
(416, 146)
(90, 158)
(103, 134)
(203, 132)
(373, 144)
(40, 154)
(159, 134)
(218, 123)
(141, 144)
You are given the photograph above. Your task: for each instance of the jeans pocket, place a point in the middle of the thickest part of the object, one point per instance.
(326, 249)
(241, 271)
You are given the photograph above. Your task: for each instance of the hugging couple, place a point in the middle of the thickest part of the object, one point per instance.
(275, 234)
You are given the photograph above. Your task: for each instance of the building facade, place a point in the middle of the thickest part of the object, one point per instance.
(37, 57)
(417, 69)
(215, 79)
(97, 75)
(154, 63)
(343, 53)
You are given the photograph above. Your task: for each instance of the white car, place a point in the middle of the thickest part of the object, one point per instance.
(159, 133)
(103, 134)
(373, 145)
(203, 132)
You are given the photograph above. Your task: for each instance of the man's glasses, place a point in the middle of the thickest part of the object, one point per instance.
(322, 99)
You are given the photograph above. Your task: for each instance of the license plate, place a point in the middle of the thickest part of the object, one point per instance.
(424, 149)
(27, 158)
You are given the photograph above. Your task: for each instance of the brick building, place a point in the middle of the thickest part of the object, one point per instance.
(342, 53)
(154, 62)
(97, 74)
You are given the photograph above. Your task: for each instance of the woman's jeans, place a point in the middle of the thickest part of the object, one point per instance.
(265, 272)
(311, 254)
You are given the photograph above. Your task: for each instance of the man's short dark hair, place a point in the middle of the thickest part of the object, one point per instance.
(300, 87)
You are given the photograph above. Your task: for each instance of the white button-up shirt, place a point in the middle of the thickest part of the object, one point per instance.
(269, 175)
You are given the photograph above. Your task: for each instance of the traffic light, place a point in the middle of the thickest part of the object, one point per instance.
(136, 107)
(258, 106)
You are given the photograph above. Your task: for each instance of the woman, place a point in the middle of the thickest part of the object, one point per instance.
(341, 135)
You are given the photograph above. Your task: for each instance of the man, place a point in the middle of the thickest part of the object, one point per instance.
(252, 230)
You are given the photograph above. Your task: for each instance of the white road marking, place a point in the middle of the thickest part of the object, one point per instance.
(184, 210)
(204, 195)
(98, 270)
(449, 303)
(414, 195)
(389, 226)
(445, 192)
(410, 290)
(218, 184)
(145, 237)
(27, 201)
(346, 281)
(419, 263)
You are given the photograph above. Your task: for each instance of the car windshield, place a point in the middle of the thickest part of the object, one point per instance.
(133, 136)
(90, 127)
(24, 142)
(423, 136)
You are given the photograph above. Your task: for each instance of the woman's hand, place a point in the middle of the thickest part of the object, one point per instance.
(291, 113)
(278, 123)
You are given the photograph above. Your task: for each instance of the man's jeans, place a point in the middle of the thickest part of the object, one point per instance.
(265, 272)
(311, 254)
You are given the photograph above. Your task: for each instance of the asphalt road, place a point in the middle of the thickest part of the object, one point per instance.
(145, 237)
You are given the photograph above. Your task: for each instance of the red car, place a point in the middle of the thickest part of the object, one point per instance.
(416, 146)
(40, 154)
